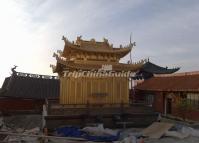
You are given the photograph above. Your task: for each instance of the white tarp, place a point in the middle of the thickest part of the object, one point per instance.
(130, 139)
(99, 131)
(190, 131)
(176, 134)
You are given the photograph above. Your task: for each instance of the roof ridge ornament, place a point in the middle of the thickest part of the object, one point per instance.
(105, 40)
(132, 44)
(13, 70)
(93, 40)
(79, 39)
(64, 38)
(66, 41)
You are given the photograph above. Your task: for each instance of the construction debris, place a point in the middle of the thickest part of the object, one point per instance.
(99, 131)
(156, 130)
(130, 139)
(26, 122)
(1, 122)
(34, 131)
(9, 132)
(190, 131)
(23, 137)
(98, 134)
(176, 134)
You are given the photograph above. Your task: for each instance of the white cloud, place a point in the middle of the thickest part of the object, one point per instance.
(31, 30)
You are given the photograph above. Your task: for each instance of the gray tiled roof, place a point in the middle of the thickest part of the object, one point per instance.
(155, 69)
(24, 85)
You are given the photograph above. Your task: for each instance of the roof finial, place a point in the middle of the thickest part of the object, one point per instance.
(132, 44)
(64, 38)
(130, 51)
(79, 38)
(13, 70)
(105, 40)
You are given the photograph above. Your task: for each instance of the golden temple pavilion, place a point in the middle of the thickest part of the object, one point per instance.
(90, 73)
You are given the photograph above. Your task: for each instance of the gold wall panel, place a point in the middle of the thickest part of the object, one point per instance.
(94, 90)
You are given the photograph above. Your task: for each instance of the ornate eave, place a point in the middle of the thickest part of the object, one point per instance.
(71, 65)
(92, 55)
(155, 69)
(118, 51)
(95, 47)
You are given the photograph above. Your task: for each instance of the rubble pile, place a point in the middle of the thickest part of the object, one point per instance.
(157, 132)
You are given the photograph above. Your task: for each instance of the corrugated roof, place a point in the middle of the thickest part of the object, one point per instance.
(171, 83)
(23, 85)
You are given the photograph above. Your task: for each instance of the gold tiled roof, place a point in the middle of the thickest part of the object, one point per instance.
(95, 47)
(96, 66)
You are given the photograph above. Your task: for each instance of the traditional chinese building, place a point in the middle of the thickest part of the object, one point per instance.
(25, 92)
(147, 71)
(150, 69)
(173, 95)
(90, 73)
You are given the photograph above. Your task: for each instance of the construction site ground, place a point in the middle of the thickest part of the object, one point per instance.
(31, 123)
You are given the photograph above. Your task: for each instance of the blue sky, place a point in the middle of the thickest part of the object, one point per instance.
(165, 31)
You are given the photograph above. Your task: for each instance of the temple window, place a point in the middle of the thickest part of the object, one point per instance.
(193, 99)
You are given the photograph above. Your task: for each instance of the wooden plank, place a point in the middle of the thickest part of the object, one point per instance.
(42, 136)
(156, 130)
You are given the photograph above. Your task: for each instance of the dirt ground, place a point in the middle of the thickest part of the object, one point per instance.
(31, 121)
(162, 140)
(173, 140)
(23, 121)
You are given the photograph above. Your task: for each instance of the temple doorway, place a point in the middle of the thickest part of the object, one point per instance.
(169, 106)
